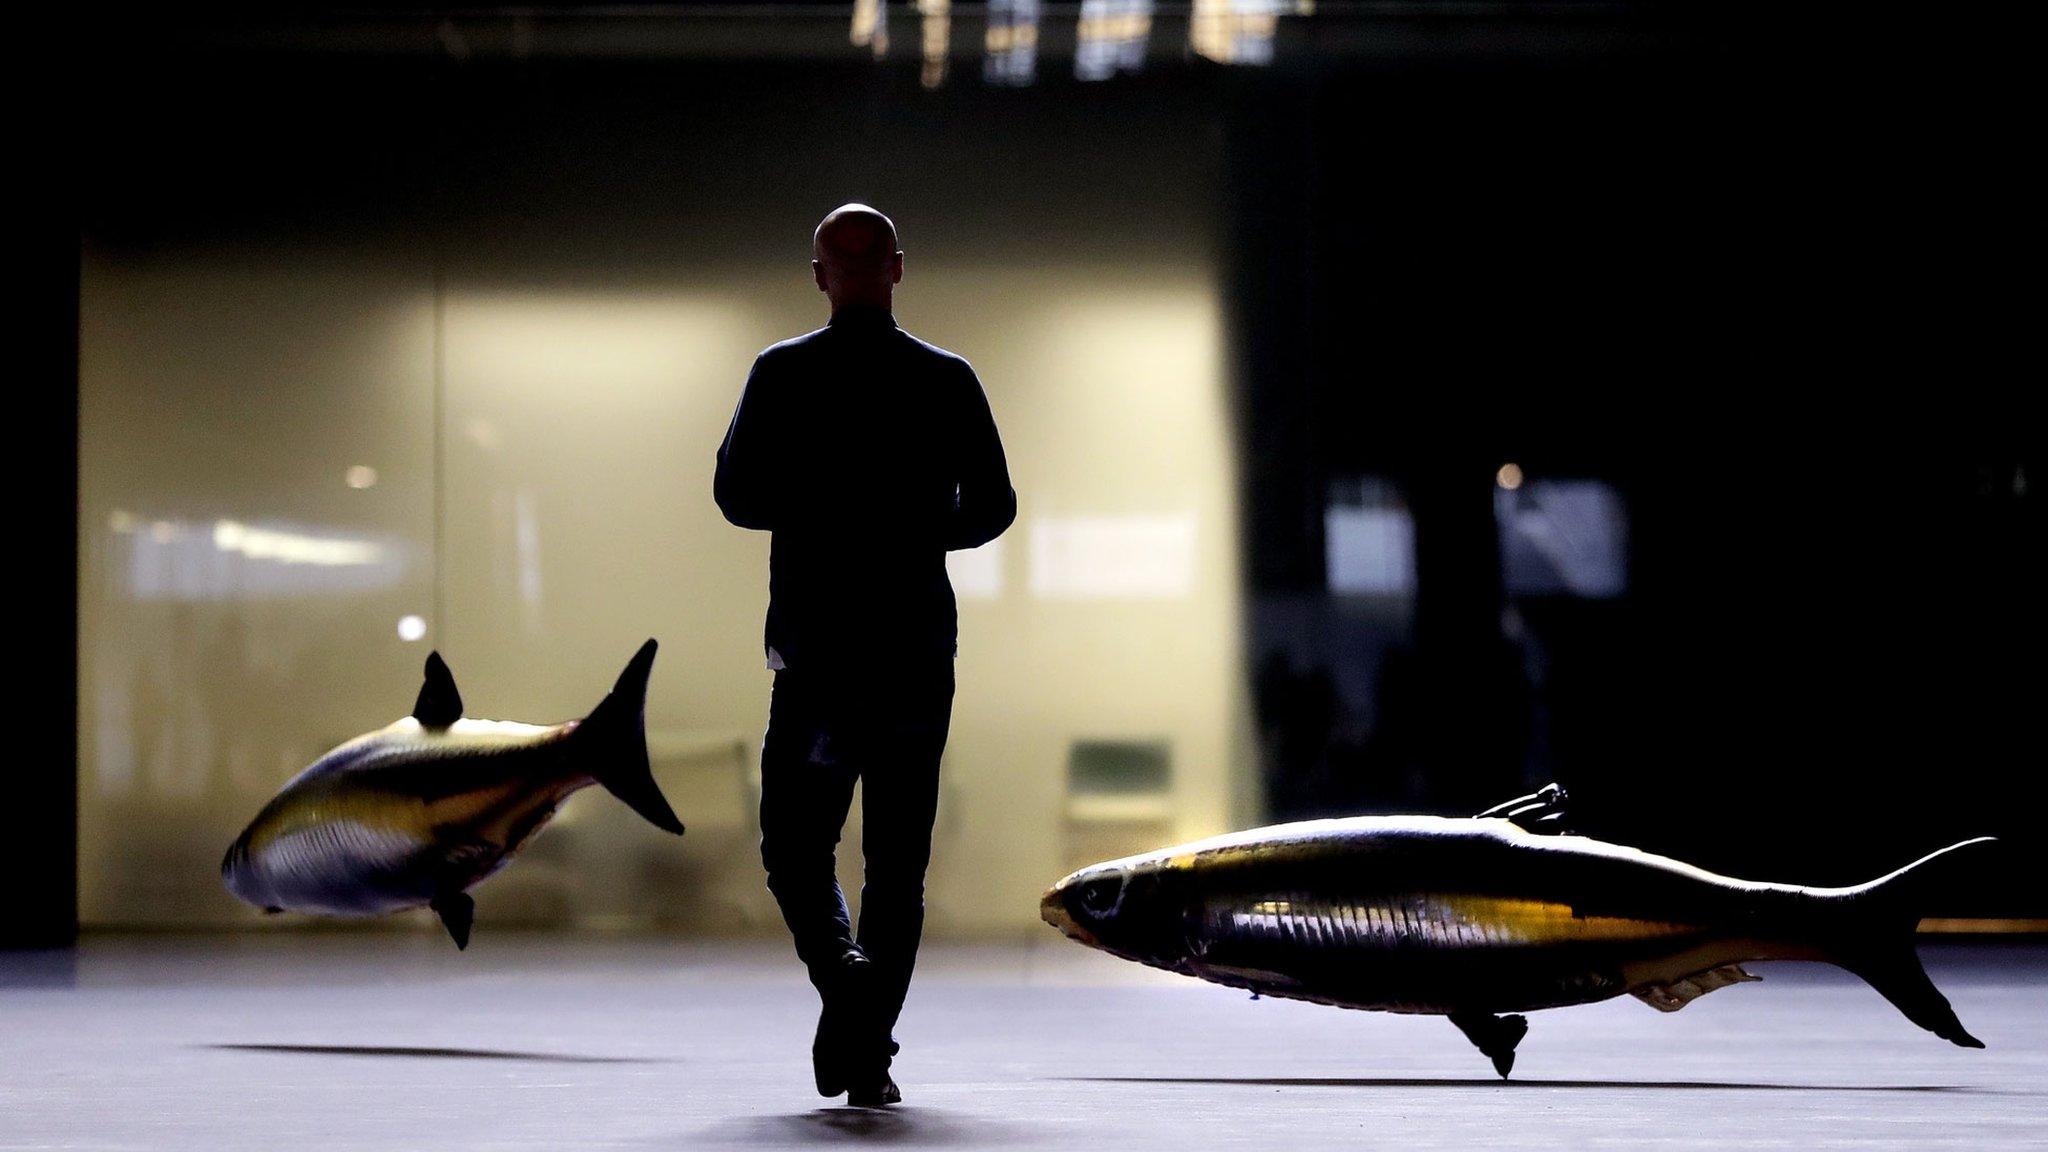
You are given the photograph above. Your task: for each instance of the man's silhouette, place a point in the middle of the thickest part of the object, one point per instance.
(868, 453)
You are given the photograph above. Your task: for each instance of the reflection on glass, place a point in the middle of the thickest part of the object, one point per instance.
(287, 547)
(1562, 537)
(1369, 539)
(1234, 31)
(1111, 37)
(526, 542)
(1113, 557)
(180, 560)
(938, 34)
(1011, 43)
(483, 434)
(871, 26)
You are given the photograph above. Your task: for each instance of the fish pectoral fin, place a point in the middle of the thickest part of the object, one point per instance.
(1494, 1036)
(464, 854)
(1680, 992)
(457, 912)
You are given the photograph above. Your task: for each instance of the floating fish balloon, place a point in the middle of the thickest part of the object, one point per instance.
(1477, 919)
(420, 812)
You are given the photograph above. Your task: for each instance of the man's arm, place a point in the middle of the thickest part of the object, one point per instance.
(985, 504)
(746, 485)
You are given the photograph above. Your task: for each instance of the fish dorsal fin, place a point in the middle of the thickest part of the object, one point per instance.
(439, 704)
(1546, 811)
(1677, 994)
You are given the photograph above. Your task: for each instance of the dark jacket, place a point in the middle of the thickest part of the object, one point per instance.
(869, 454)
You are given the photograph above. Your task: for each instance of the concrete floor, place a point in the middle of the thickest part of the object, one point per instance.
(549, 1042)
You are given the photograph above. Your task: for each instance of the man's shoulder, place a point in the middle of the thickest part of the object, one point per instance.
(782, 348)
(793, 350)
(926, 348)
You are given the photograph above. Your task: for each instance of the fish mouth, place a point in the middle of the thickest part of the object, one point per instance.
(234, 873)
(1052, 908)
(235, 861)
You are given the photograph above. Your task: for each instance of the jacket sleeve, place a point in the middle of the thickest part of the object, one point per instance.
(748, 484)
(985, 504)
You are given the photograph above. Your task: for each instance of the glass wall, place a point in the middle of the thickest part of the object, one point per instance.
(256, 512)
(300, 473)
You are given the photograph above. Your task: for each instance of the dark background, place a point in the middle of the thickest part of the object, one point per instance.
(1749, 279)
(1762, 274)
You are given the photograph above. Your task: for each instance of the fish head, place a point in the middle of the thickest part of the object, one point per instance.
(1136, 908)
(241, 874)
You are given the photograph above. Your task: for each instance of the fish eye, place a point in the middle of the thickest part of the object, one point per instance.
(1101, 897)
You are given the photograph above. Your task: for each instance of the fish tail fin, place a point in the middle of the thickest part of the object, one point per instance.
(1878, 943)
(614, 744)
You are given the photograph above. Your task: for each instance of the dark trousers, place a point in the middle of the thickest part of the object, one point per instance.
(885, 727)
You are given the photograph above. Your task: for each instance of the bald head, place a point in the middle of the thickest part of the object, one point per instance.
(854, 257)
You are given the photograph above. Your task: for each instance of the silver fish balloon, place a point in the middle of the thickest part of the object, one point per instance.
(419, 812)
(1478, 919)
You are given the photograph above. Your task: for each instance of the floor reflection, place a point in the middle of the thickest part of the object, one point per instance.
(48, 968)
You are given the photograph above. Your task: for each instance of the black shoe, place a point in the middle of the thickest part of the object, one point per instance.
(843, 992)
(875, 1095)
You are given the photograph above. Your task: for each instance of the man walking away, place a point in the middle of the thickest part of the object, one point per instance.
(869, 454)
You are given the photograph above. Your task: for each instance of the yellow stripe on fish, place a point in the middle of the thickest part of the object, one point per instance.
(1542, 922)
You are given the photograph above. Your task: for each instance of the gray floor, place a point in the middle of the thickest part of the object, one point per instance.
(537, 1042)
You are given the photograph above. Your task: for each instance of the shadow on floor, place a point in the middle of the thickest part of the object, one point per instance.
(1521, 1082)
(897, 1125)
(429, 1053)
